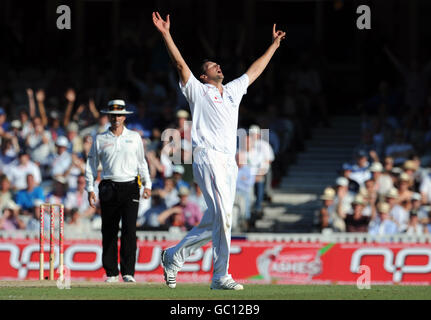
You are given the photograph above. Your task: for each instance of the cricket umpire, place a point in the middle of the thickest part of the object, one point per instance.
(120, 152)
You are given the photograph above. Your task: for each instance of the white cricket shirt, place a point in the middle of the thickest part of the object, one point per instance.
(215, 117)
(122, 158)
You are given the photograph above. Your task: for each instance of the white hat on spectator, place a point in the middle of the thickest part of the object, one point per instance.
(392, 193)
(178, 169)
(73, 127)
(376, 167)
(62, 141)
(410, 165)
(363, 192)
(404, 177)
(182, 114)
(254, 129)
(184, 191)
(416, 196)
(60, 179)
(359, 199)
(342, 181)
(15, 124)
(383, 207)
(328, 194)
(396, 171)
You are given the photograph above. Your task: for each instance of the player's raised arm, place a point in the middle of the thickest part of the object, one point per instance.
(260, 64)
(163, 27)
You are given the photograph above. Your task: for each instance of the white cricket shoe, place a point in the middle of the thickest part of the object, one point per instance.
(227, 285)
(112, 279)
(128, 278)
(169, 274)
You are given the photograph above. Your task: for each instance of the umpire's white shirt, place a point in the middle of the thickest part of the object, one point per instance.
(122, 158)
(215, 117)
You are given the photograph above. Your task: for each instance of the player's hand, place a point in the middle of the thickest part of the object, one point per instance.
(147, 193)
(161, 25)
(29, 92)
(92, 199)
(277, 36)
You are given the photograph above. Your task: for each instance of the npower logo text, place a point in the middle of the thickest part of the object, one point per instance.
(392, 263)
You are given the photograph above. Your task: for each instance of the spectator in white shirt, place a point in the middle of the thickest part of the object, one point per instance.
(399, 213)
(63, 159)
(382, 224)
(414, 226)
(383, 181)
(343, 200)
(18, 170)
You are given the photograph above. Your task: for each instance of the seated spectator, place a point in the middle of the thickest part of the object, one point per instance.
(149, 220)
(360, 171)
(5, 191)
(78, 199)
(59, 190)
(326, 212)
(346, 170)
(383, 181)
(76, 142)
(425, 189)
(418, 208)
(381, 224)
(177, 176)
(184, 214)
(343, 199)
(400, 213)
(404, 184)
(76, 224)
(9, 151)
(419, 173)
(26, 198)
(77, 168)
(10, 219)
(169, 193)
(357, 222)
(18, 170)
(399, 150)
(62, 160)
(260, 157)
(414, 226)
(410, 168)
(33, 223)
(370, 197)
(39, 143)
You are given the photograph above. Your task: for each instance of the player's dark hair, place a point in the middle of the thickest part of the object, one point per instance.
(202, 69)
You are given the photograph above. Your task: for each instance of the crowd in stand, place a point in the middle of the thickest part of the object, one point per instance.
(46, 135)
(387, 190)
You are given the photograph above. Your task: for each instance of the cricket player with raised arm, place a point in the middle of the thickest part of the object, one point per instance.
(214, 109)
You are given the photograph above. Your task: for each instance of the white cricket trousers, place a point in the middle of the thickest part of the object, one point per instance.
(216, 175)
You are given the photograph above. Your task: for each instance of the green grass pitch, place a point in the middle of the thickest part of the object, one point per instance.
(47, 290)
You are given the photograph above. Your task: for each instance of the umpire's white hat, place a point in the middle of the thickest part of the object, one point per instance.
(116, 106)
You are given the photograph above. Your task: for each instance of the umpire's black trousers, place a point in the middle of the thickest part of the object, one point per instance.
(119, 201)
